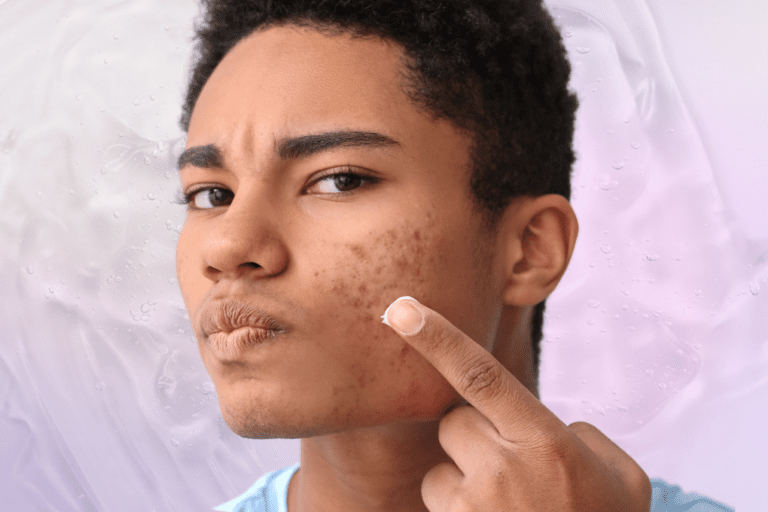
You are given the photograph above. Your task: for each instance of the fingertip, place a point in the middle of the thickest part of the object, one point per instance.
(404, 316)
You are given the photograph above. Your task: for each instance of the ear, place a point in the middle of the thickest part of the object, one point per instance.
(538, 236)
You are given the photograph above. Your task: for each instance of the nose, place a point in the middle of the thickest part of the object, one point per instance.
(246, 239)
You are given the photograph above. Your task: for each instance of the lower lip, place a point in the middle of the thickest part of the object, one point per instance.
(233, 345)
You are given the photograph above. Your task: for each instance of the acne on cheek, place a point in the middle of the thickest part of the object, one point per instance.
(375, 272)
(383, 268)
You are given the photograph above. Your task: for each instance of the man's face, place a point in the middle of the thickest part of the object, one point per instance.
(325, 256)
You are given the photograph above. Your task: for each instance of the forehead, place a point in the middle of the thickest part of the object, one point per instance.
(289, 77)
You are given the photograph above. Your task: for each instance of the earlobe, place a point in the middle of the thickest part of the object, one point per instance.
(540, 235)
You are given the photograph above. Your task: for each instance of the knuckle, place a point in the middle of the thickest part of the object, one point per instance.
(582, 427)
(459, 413)
(639, 485)
(553, 450)
(481, 378)
(457, 419)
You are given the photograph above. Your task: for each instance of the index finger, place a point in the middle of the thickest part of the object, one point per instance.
(472, 371)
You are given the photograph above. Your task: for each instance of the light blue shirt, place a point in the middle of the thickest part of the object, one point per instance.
(270, 494)
(670, 498)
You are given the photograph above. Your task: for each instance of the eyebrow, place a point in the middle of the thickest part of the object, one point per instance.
(210, 156)
(201, 156)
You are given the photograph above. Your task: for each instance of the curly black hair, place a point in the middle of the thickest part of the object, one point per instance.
(497, 69)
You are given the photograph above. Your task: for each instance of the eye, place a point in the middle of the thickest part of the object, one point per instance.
(341, 183)
(207, 198)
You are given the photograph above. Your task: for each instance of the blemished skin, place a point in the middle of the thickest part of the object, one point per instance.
(325, 257)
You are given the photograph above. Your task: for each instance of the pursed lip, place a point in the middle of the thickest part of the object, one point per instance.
(227, 315)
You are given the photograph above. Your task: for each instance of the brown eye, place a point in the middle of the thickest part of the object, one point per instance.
(341, 183)
(206, 198)
(345, 182)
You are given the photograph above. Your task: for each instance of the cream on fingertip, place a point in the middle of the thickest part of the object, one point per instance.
(405, 317)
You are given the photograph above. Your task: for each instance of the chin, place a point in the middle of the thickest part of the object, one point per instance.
(251, 431)
(248, 428)
(255, 417)
(251, 425)
(258, 426)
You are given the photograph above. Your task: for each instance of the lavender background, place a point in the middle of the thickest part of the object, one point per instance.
(658, 333)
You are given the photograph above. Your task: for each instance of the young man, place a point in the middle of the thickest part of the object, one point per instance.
(342, 155)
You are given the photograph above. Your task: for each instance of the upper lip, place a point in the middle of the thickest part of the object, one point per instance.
(226, 315)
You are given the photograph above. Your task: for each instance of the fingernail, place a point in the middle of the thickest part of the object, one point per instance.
(404, 316)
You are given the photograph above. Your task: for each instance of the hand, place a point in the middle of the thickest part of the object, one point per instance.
(510, 452)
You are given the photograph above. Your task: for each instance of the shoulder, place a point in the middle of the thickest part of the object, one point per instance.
(269, 493)
(671, 498)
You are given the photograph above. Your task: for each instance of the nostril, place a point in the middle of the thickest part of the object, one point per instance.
(214, 271)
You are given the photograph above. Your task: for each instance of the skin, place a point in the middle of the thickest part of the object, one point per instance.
(326, 264)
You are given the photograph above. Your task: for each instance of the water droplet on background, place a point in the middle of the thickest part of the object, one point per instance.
(754, 287)
(605, 248)
(583, 49)
(652, 257)
(30, 270)
(609, 185)
(618, 165)
(635, 145)
(594, 303)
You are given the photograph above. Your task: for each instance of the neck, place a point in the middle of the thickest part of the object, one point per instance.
(512, 346)
(373, 469)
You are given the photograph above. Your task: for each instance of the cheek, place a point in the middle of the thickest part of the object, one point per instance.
(402, 260)
(373, 273)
